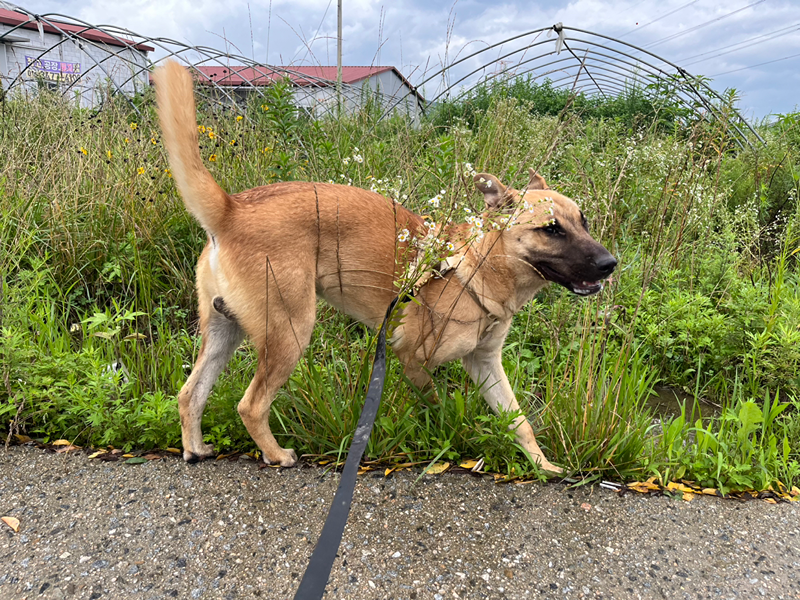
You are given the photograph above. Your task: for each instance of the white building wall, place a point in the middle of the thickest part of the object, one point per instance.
(387, 88)
(395, 94)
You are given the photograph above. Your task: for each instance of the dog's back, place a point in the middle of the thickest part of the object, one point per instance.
(343, 237)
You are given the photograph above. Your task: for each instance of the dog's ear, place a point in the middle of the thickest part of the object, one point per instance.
(494, 192)
(536, 181)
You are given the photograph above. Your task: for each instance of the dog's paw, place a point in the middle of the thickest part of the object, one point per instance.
(549, 467)
(288, 458)
(203, 452)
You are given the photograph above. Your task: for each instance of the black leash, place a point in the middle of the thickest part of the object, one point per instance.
(312, 586)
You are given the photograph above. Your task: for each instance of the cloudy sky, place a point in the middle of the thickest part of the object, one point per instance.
(750, 45)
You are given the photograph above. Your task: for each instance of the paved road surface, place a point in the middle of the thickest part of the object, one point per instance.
(222, 529)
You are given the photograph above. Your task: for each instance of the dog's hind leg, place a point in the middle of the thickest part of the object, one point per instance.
(287, 339)
(221, 336)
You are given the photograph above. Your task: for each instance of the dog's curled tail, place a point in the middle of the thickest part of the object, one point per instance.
(176, 111)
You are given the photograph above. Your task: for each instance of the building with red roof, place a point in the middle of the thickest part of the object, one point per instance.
(315, 86)
(39, 51)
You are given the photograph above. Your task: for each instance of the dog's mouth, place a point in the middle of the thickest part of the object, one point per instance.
(580, 288)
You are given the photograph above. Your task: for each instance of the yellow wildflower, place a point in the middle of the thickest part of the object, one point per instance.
(153, 141)
(211, 135)
(127, 140)
(134, 127)
(266, 150)
(213, 158)
(239, 117)
(201, 128)
(264, 107)
(108, 153)
(232, 142)
(84, 151)
(168, 172)
(140, 171)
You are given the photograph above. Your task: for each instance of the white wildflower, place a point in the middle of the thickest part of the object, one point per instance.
(489, 183)
(474, 221)
(403, 235)
(450, 247)
(435, 201)
(346, 160)
(358, 158)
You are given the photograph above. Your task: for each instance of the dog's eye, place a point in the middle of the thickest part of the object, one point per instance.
(553, 228)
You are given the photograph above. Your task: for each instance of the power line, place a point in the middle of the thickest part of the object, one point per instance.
(758, 65)
(696, 27)
(659, 18)
(769, 36)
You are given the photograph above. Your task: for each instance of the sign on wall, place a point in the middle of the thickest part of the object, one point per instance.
(53, 70)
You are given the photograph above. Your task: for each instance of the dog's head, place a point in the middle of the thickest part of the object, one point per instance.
(549, 232)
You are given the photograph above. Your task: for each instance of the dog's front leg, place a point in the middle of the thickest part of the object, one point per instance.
(486, 370)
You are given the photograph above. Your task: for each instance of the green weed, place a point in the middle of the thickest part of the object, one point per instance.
(97, 256)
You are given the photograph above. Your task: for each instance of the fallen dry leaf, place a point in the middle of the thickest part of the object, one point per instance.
(96, 454)
(128, 455)
(640, 487)
(173, 450)
(586, 506)
(689, 496)
(438, 468)
(468, 464)
(387, 472)
(12, 522)
(771, 500)
(679, 487)
(152, 456)
(69, 448)
(62, 443)
(22, 439)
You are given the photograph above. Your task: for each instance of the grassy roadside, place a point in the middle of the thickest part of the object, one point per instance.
(97, 257)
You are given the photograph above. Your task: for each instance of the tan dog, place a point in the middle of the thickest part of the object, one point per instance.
(273, 250)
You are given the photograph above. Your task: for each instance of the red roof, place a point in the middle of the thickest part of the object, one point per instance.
(234, 75)
(13, 18)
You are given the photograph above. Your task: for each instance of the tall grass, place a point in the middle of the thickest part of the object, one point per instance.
(97, 256)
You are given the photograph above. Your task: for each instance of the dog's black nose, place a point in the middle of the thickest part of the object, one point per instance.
(606, 265)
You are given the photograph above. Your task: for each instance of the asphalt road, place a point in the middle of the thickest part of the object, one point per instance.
(220, 529)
